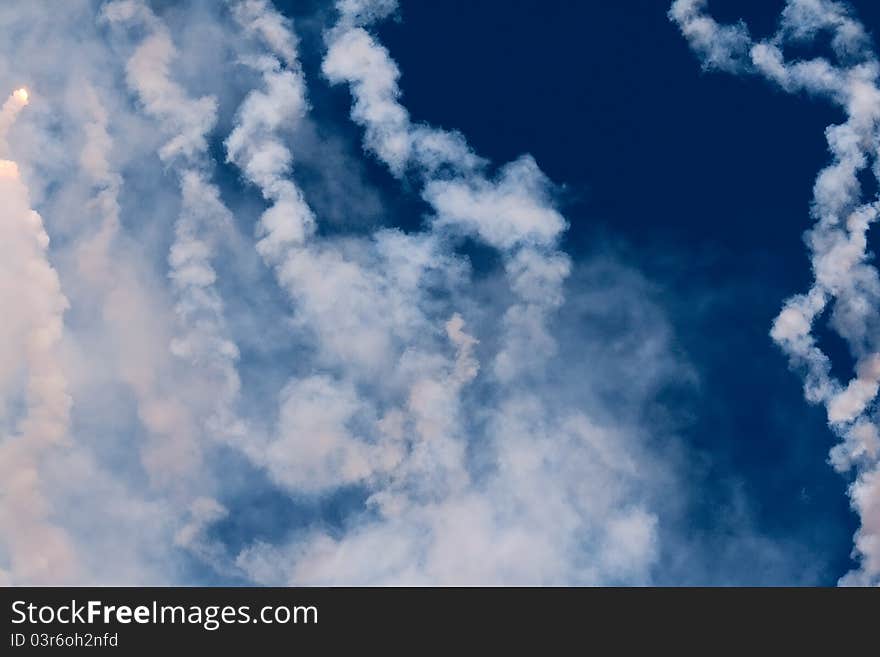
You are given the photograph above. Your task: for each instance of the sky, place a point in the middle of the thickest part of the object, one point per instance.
(377, 292)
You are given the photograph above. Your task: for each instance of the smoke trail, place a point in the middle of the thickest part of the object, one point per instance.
(379, 325)
(845, 282)
(389, 411)
(94, 253)
(9, 112)
(203, 338)
(254, 145)
(317, 406)
(35, 549)
(511, 212)
(105, 261)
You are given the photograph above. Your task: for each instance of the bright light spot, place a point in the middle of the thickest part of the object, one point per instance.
(8, 169)
(21, 95)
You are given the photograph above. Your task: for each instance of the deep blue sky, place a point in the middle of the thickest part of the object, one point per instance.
(701, 181)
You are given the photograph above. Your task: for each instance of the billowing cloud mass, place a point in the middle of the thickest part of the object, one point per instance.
(236, 361)
(846, 286)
